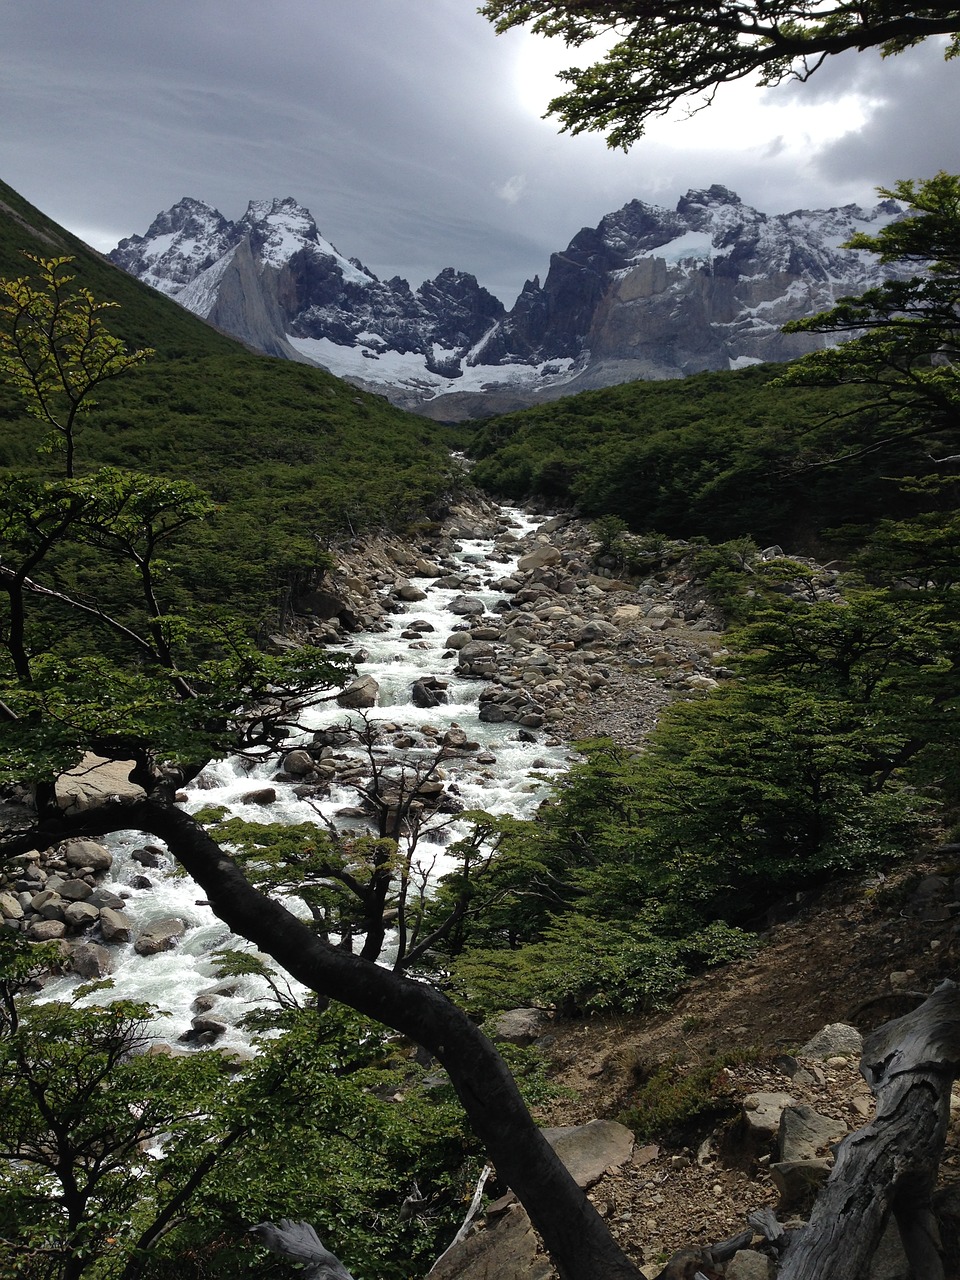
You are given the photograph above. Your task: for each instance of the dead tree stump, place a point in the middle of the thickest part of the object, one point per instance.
(890, 1166)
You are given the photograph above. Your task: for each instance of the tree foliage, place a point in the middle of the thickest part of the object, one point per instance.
(117, 1162)
(716, 455)
(174, 694)
(83, 1107)
(292, 459)
(830, 752)
(56, 350)
(664, 53)
(904, 335)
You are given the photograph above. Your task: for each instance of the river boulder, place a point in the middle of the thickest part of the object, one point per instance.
(466, 606)
(360, 694)
(539, 558)
(87, 853)
(116, 926)
(159, 935)
(90, 960)
(95, 780)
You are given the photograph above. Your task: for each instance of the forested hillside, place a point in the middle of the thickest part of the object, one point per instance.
(833, 749)
(291, 456)
(717, 456)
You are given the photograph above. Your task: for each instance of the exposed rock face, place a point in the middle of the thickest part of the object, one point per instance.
(664, 293)
(647, 293)
(95, 780)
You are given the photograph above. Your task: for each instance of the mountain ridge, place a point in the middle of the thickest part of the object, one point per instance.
(648, 293)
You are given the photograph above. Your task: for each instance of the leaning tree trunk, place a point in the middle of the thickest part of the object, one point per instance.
(890, 1166)
(571, 1228)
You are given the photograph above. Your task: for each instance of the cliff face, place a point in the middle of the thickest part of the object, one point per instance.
(648, 293)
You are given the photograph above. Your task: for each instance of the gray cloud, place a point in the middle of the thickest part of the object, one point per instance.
(399, 125)
(912, 129)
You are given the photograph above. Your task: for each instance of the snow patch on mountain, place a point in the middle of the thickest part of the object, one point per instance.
(377, 365)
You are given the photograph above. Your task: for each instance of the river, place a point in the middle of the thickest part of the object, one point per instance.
(509, 775)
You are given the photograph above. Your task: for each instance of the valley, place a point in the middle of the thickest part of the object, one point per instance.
(696, 794)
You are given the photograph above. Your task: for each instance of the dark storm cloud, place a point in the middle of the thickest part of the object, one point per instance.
(912, 128)
(398, 123)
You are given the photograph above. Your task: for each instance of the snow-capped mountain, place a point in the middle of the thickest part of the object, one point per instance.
(649, 293)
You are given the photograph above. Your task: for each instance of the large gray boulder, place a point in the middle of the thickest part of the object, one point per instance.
(116, 926)
(10, 908)
(834, 1040)
(46, 930)
(95, 780)
(747, 1264)
(80, 915)
(87, 853)
(588, 1150)
(362, 693)
(805, 1134)
(298, 762)
(159, 935)
(505, 1249)
(760, 1122)
(89, 960)
(540, 558)
(466, 606)
(505, 1246)
(521, 1026)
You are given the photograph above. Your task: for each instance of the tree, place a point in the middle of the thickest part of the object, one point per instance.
(56, 350)
(904, 335)
(667, 53)
(81, 1104)
(119, 1163)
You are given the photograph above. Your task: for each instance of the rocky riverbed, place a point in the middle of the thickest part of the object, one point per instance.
(563, 648)
(560, 647)
(570, 648)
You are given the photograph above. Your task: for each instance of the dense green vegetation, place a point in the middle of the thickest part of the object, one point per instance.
(831, 752)
(330, 1117)
(109, 645)
(717, 456)
(834, 749)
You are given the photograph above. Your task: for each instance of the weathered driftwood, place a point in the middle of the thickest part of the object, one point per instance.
(471, 1214)
(299, 1241)
(890, 1166)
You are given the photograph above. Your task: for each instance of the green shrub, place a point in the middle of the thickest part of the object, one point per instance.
(674, 1100)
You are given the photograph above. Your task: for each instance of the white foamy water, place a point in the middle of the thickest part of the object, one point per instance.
(514, 784)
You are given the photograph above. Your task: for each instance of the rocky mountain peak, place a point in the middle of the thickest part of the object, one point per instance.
(180, 243)
(188, 214)
(635, 227)
(706, 196)
(279, 228)
(650, 292)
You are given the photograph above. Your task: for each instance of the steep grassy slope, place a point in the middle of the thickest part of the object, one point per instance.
(294, 456)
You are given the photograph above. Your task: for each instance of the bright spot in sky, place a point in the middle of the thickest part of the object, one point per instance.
(742, 116)
(512, 189)
(537, 62)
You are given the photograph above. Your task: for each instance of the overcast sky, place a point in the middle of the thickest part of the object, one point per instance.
(410, 129)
